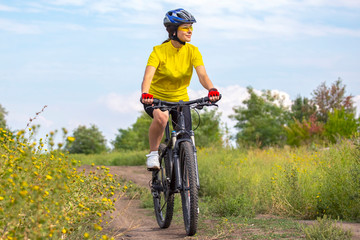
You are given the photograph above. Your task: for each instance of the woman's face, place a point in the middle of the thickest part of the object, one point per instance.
(184, 32)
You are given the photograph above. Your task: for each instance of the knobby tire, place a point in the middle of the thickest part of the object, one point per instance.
(163, 198)
(189, 193)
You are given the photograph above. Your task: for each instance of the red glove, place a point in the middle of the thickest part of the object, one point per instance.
(147, 96)
(213, 92)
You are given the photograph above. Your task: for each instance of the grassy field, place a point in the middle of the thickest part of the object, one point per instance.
(304, 183)
(298, 182)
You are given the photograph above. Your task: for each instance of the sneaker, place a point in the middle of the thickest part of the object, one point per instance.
(152, 161)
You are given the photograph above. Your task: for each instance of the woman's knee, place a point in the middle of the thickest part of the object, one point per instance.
(161, 119)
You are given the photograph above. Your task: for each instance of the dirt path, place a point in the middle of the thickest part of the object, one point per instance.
(133, 222)
(130, 220)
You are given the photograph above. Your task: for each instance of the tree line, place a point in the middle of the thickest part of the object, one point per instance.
(262, 121)
(265, 121)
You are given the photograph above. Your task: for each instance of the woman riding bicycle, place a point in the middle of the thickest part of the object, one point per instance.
(168, 74)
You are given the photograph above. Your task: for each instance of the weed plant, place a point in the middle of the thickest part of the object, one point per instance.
(43, 196)
(325, 228)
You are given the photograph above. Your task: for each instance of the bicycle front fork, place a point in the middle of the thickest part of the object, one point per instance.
(177, 169)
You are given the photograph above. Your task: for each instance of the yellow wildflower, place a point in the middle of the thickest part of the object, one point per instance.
(97, 227)
(70, 139)
(23, 193)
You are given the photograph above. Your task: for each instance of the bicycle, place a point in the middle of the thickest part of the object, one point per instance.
(178, 169)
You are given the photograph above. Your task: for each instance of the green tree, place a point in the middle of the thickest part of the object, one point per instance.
(2, 117)
(329, 99)
(209, 131)
(341, 124)
(135, 137)
(261, 122)
(87, 141)
(302, 108)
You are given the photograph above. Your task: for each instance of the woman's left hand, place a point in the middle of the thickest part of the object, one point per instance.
(213, 95)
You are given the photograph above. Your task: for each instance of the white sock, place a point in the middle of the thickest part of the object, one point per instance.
(153, 153)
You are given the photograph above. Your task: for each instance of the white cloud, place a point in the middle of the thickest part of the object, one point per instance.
(69, 2)
(232, 19)
(44, 122)
(4, 8)
(127, 103)
(18, 28)
(124, 6)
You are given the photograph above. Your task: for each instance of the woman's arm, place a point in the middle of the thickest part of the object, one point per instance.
(203, 77)
(206, 82)
(148, 76)
(145, 86)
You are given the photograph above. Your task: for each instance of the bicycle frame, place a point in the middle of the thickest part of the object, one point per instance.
(173, 147)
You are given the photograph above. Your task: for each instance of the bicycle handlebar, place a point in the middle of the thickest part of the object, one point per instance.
(204, 101)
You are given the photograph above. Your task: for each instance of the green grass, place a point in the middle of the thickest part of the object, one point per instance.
(269, 228)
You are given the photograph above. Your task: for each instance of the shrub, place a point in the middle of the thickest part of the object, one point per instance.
(304, 132)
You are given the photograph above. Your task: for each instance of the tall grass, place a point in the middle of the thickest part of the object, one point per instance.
(297, 182)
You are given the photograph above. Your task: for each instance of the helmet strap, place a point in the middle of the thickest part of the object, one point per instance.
(175, 37)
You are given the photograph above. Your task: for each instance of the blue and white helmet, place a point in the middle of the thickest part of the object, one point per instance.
(177, 17)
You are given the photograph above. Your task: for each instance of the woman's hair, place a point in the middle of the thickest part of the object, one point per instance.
(171, 30)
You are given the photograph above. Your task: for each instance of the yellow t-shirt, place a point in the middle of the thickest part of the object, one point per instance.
(174, 68)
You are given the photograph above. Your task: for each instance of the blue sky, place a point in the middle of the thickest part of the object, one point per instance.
(85, 59)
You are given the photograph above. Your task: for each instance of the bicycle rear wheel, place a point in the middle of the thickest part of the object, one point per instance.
(162, 196)
(189, 192)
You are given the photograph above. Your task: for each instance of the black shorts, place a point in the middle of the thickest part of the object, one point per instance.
(174, 117)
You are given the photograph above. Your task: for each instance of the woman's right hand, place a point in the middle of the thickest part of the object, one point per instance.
(147, 98)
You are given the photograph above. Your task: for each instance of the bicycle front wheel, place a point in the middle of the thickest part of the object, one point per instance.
(189, 192)
(162, 196)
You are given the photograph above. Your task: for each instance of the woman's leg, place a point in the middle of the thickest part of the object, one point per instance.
(157, 127)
